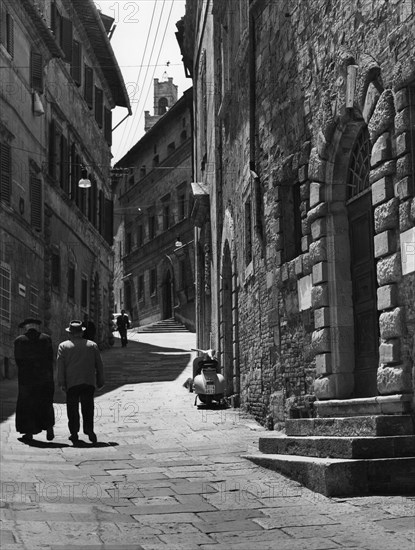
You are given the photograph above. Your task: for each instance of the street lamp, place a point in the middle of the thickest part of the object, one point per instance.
(84, 182)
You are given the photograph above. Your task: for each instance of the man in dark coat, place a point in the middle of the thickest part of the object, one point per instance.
(123, 323)
(33, 353)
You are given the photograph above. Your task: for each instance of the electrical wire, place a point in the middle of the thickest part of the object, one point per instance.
(158, 57)
(142, 61)
(156, 64)
(131, 125)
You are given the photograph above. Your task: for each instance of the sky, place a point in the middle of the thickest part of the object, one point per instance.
(145, 46)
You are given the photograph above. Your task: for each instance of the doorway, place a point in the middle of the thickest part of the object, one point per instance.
(167, 294)
(227, 321)
(363, 270)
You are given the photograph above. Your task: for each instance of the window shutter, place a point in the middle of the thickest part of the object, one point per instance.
(108, 220)
(66, 38)
(93, 202)
(55, 22)
(5, 293)
(36, 71)
(99, 106)
(88, 86)
(101, 212)
(108, 125)
(10, 34)
(76, 65)
(36, 202)
(56, 270)
(64, 164)
(5, 172)
(3, 24)
(77, 178)
(52, 149)
(72, 179)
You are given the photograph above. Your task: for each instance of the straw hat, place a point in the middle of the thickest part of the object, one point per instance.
(75, 327)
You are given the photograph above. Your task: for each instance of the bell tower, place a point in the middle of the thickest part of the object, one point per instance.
(165, 95)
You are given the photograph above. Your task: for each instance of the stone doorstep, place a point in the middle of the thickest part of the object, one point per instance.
(380, 404)
(344, 477)
(339, 447)
(353, 426)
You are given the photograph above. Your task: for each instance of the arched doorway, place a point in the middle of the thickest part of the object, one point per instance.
(362, 268)
(167, 296)
(227, 323)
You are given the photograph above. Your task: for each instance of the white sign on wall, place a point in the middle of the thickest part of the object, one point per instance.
(304, 286)
(408, 251)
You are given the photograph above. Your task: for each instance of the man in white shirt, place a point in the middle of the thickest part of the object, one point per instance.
(80, 371)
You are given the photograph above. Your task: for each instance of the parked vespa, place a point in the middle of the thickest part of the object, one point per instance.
(208, 382)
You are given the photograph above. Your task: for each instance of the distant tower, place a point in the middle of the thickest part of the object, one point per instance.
(165, 95)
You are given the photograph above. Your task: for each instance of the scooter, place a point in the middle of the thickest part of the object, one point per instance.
(208, 382)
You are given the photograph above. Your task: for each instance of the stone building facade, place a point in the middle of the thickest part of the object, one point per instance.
(59, 83)
(154, 243)
(307, 213)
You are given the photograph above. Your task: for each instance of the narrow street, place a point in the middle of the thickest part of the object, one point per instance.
(167, 475)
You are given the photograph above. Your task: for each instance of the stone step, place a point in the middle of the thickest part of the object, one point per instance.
(166, 325)
(353, 426)
(365, 406)
(339, 447)
(344, 477)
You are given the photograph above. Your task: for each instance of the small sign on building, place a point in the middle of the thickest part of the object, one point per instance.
(304, 286)
(22, 290)
(408, 251)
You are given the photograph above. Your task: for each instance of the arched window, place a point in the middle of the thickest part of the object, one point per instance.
(163, 104)
(359, 167)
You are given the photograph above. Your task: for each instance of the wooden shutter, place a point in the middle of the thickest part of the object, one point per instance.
(77, 178)
(73, 179)
(88, 86)
(55, 22)
(101, 212)
(36, 71)
(108, 221)
(52, 148)
(36, 202)
(76, 65)
(10, 34)
(3, 24)
(108, 126)
(99, 96)
(64, 161)
(66, 38)
(5, 172)
(93, 196)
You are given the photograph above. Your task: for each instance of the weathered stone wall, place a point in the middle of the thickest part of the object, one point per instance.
(303, 135)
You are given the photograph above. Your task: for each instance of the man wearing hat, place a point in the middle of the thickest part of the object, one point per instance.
(33, 354)
(80, 371)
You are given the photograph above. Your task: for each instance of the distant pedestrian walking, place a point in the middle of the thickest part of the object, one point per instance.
(90, 329)
(123, 323)
(80, 371)
(33, 354)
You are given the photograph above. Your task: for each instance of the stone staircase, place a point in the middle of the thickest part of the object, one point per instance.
(165, 325)
(341, 456)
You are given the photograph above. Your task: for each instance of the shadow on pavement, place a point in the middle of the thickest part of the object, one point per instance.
(138, 363)
(43, 444)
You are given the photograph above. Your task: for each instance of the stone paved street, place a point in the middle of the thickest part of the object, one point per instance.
(167, 475)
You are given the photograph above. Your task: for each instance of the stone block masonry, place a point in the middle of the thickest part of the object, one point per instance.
(320, 146)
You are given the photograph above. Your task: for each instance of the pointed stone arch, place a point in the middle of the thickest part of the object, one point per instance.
(331, 252)
(228, 294)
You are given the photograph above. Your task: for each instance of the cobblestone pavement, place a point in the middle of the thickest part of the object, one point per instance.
(167, 475)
